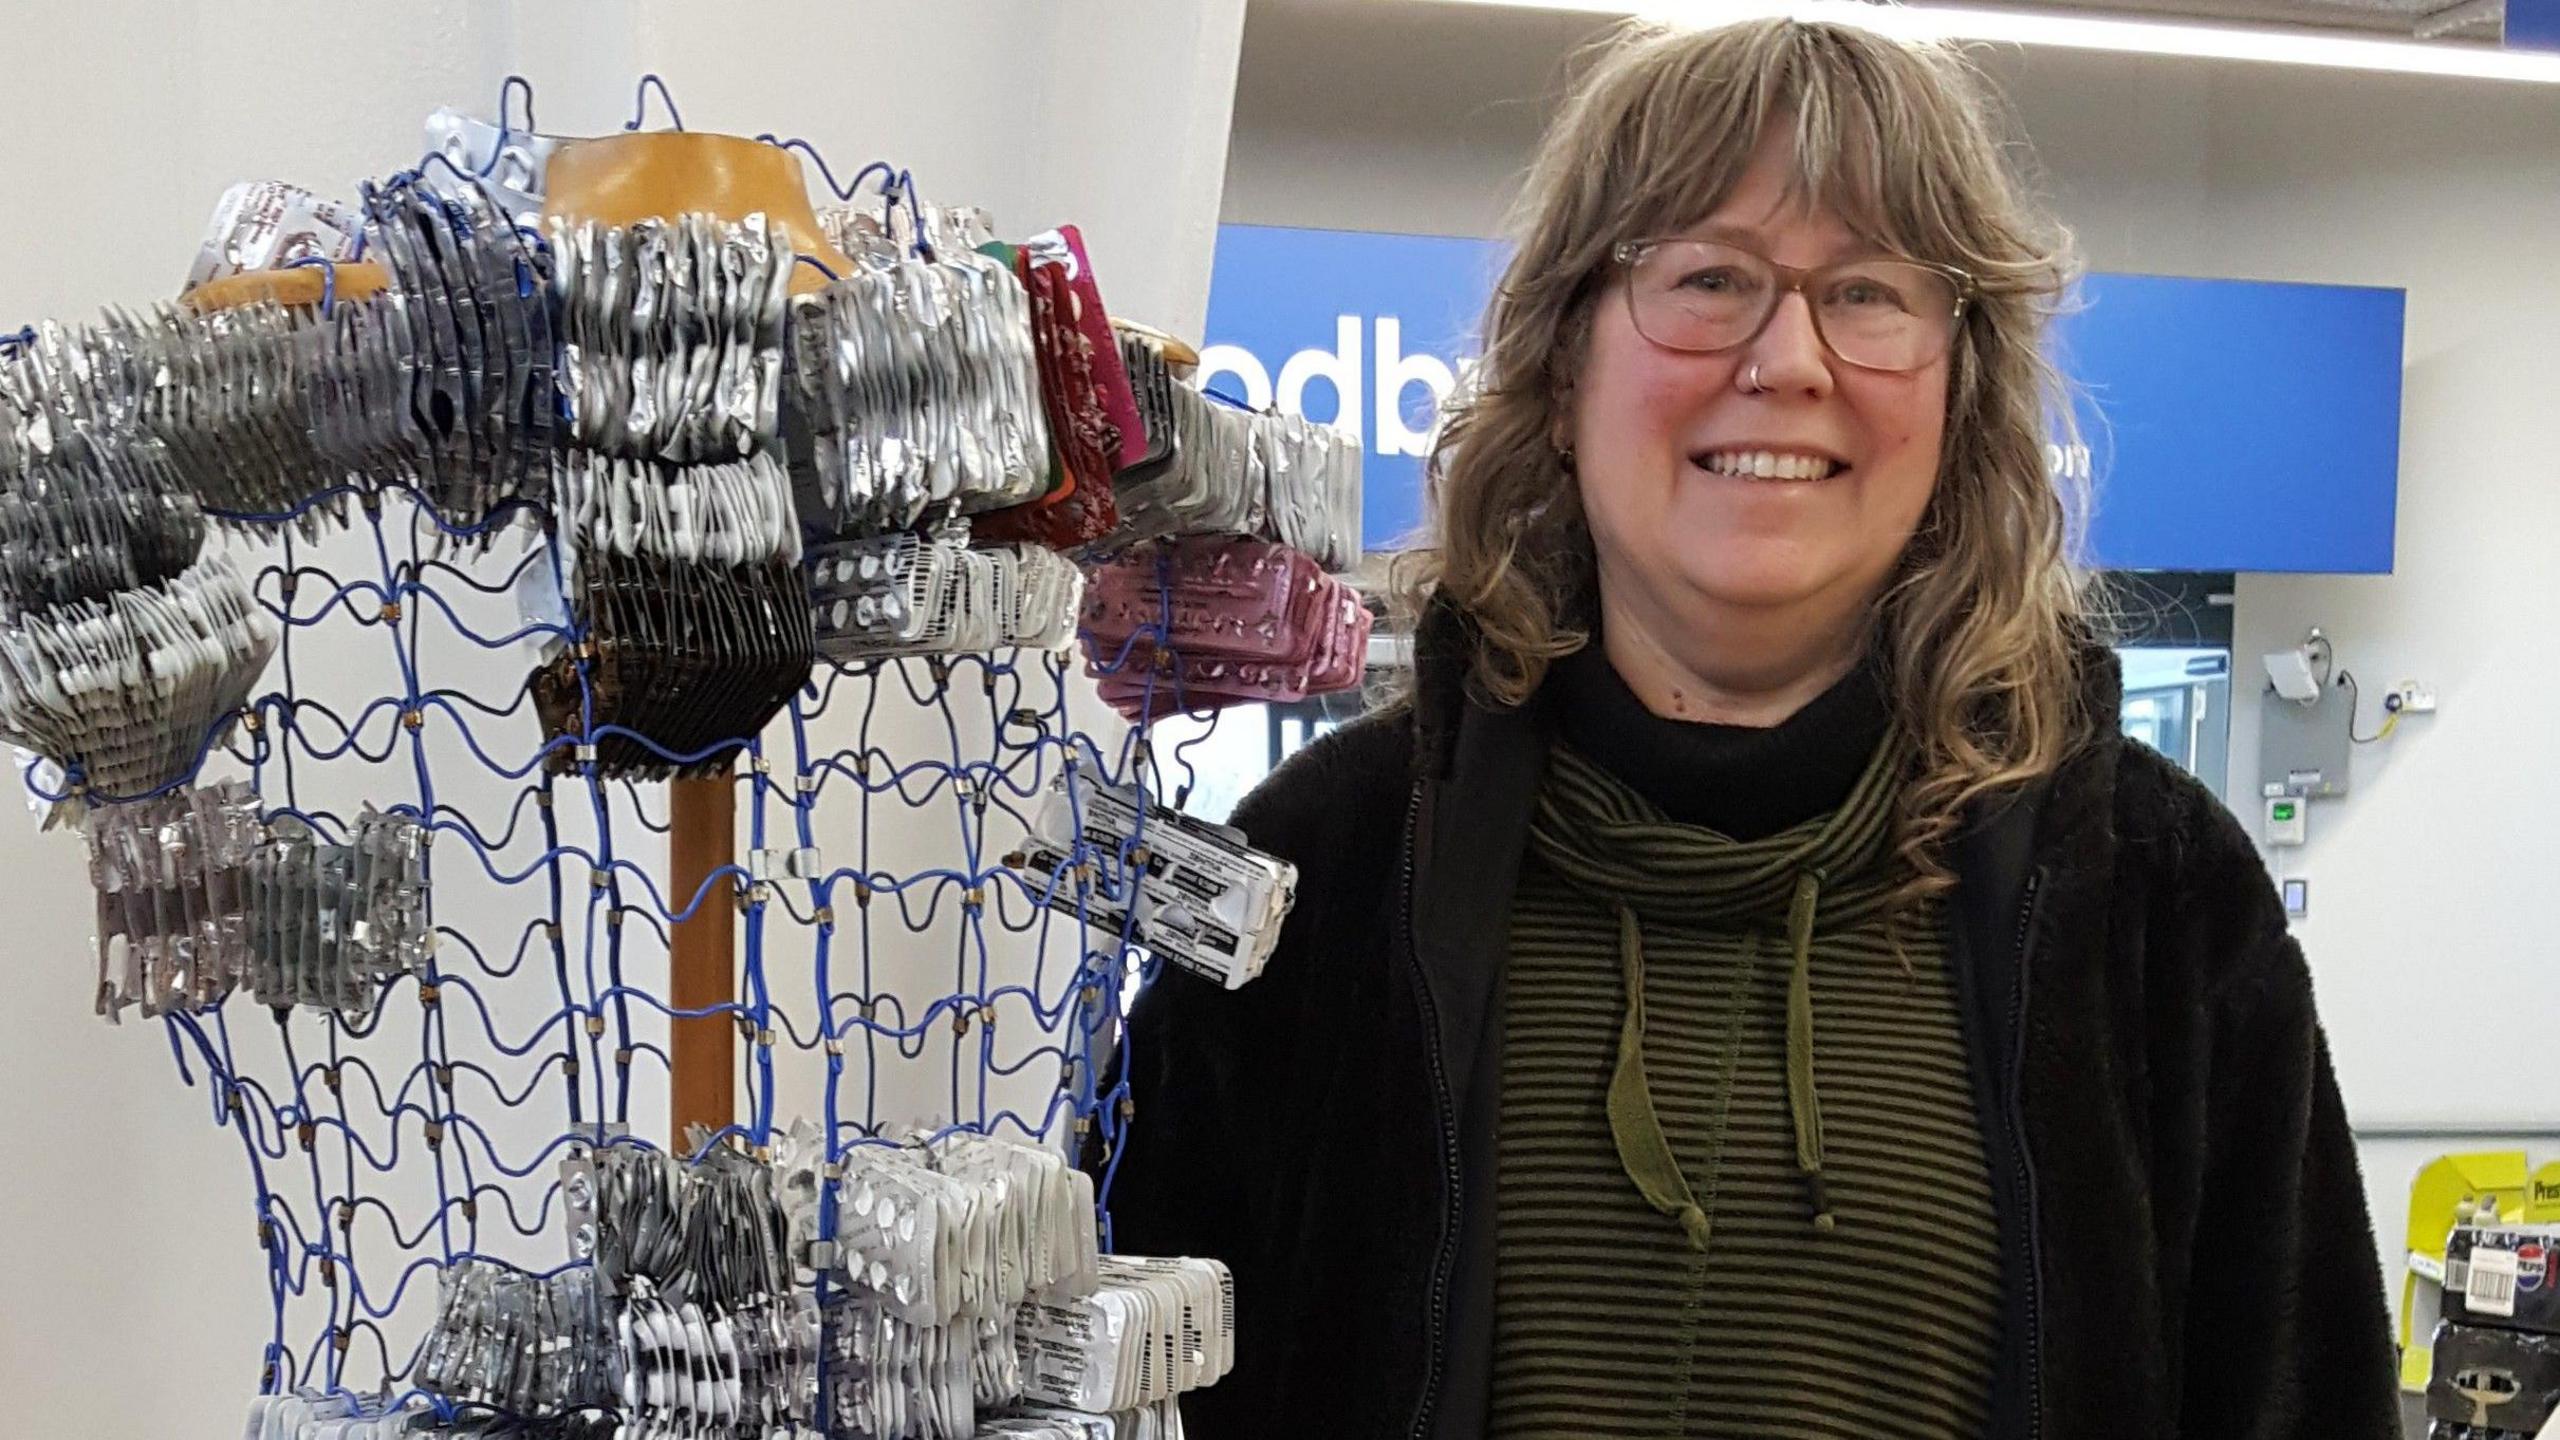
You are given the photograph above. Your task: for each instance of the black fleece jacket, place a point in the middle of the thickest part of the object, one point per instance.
(2185, 1245)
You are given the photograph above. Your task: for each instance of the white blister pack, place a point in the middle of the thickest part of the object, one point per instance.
(902, 595)
(337, 1416)
(1204, 899)
(1153, 1329)
(938, 1244)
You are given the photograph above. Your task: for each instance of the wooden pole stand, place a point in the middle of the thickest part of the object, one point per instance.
(702, 964)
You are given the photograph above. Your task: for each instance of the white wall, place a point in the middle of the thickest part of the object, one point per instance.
(134, 1299)
(2431, 896)
(2431, 905)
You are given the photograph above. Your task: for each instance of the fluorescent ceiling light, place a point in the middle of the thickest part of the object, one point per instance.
(2096, 32)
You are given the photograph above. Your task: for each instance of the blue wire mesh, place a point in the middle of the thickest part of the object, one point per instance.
(913, 977)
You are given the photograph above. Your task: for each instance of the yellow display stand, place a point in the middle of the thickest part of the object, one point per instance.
(2542, 1197)
(2443, 1184)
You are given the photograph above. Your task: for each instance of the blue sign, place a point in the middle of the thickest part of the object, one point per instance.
(2229, 424)
(2532, 25)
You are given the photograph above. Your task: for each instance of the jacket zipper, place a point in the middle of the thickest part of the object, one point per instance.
(2025, 1163)
(1442, 1260)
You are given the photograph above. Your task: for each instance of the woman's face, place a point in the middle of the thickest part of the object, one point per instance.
(1654, 432)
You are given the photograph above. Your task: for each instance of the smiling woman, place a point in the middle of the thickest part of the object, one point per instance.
(1870, 152)
(1785, 1004)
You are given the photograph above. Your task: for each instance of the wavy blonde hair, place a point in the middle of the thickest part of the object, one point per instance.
(1980, 623)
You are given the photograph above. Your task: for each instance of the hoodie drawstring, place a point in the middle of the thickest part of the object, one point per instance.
(1804, 1102)
(1644, 1151)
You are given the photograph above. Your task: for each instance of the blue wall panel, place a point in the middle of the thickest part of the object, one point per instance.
(2230, 425)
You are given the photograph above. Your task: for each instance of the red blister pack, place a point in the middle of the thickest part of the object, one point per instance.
(1078, 509)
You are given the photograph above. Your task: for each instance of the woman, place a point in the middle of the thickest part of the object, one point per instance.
(1783, 1004)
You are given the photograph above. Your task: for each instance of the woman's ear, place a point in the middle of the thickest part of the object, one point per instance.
(1563, 374)
(1563, 410)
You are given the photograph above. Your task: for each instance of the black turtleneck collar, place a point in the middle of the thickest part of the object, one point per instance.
(1742, 781)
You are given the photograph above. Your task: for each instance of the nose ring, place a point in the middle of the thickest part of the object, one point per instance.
(1751, 382)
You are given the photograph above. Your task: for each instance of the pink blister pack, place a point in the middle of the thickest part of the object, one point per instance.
(1249, 621)
(1227, 596)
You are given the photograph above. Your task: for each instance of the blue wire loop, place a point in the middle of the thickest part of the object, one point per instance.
(905, 186)
(640, 103)
(508, 88)
(887, 173)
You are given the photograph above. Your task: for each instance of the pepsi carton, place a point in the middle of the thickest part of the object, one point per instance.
(2503, 1276)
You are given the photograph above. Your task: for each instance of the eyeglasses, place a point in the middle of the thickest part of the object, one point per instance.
(1703, 296)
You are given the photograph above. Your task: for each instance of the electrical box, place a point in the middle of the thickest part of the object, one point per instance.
(2302, 749)
(2285, 824)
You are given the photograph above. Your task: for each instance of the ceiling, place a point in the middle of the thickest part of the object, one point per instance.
(2477, 21)
(2451, 21)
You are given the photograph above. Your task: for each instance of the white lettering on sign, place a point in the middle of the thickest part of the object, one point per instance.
(1343, 368)
(1217, 360)
(1396, 372)
(1338, 367)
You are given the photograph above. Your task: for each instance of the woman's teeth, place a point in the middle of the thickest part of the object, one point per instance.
(1767, 465)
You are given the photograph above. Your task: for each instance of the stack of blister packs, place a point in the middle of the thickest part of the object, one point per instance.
(671, 335)
(1152, 1330)
(445, 381)
(937, 1248)
(1180, 888)
(329, 922)
(172, 880)
(122, 654)
(689, 587)
(535, 1346)
(334, 1415)
(83, 514)
(919, 392)
(725, 512)
(675, 509)
(441, 382)
(1200, 622)
(1161, 1421)
(898, 595)
(711, 1336)
(1094, 427)
(1231, 602)
(134, 688)
(225, 401)
(2496, 1374)
(1215, 469)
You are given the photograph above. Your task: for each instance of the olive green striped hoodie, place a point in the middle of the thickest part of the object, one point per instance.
(1741, 1187)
